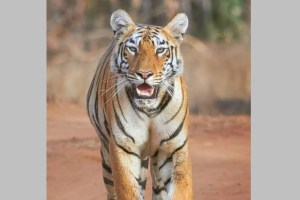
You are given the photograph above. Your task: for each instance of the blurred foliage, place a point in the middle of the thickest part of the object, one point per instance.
(212, 20)
(220, 20)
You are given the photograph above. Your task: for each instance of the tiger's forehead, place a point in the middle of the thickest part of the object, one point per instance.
(148, 33)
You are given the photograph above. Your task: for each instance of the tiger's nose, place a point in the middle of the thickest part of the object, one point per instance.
(144, 75)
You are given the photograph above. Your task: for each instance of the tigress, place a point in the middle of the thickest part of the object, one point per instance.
(138, 104)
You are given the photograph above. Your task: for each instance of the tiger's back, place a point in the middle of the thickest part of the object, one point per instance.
(138, 105)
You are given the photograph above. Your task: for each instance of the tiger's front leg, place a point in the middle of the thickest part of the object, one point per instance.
(126, 167)
(181, 187)
(171, 174)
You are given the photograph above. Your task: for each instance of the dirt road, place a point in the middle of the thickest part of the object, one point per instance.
(219, 148)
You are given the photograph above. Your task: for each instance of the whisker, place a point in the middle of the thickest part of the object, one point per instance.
(168, 88)
(114, 77)
(117, 83)
(117, 75)
(110, 79)
(171, 88)
(113, 95)
(130, 76)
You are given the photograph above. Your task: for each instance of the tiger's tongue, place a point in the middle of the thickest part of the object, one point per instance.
(144, 89)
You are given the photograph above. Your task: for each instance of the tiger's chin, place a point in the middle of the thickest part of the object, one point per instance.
(145, 103)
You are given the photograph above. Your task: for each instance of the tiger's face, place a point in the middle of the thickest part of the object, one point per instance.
(147, 57)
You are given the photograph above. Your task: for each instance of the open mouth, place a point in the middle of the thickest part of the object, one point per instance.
(145, 91)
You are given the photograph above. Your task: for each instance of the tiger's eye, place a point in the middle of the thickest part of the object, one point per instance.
(133, 49)
(160, 50)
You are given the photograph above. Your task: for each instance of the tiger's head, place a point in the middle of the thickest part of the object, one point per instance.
(146, 56)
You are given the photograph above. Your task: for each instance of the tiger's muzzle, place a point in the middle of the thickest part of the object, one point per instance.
(144, 88)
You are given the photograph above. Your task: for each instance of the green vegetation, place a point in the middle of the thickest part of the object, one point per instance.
(220, 20)
(212, 20)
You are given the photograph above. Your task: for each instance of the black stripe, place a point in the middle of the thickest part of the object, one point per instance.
(96, 108)
(177, 131)
(145, 163)
(102, 80)
(116, 61)
(105, 146)
(108, 182)
(165, 101)
(137, 179)
(102, 156)
(135, 108)
(143, 184)
(156, 37)
(105, 87)
(172, 57)
(161, 104)
(106, 167)
(125, 150)
(120, 106)
(132, 103)
(155, 153)
(182, 100)
(122, 56)
(131, 41)
(167, 181)
(99, 130)
(120, 125)
(105, 143)
(120, 46)
(106, 125)
(158, 190)
(170, 157)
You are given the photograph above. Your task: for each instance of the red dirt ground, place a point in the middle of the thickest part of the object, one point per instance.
(219, 149)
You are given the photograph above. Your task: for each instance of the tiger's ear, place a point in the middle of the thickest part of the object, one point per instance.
(120, 19)
(178, 26)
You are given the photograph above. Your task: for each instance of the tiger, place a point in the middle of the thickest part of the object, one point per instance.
(138, 105)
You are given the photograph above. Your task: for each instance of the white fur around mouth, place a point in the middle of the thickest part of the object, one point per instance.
(145, 90)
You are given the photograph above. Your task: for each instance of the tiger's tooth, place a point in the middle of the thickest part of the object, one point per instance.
(138, 91)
